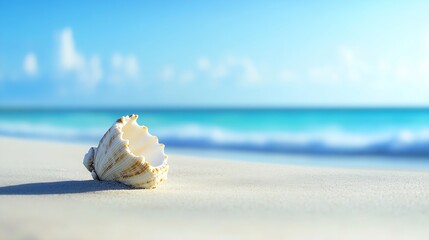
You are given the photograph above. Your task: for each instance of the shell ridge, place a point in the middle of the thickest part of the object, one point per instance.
(126, 153)
(111, 162)
(108, 157)
(122, 165)
(121, 161)
(103, 149)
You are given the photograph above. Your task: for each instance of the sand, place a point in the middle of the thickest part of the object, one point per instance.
(46, 193)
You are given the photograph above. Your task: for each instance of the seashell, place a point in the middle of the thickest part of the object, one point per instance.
(129, 154)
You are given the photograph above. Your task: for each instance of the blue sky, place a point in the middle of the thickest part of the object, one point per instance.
(214, 53)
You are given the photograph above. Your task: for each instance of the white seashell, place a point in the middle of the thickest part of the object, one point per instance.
(129, 154)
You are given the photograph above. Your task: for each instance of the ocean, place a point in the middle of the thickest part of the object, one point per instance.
(385, 132)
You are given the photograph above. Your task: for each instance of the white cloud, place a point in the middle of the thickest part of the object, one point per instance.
(187, 76)
(219, 71)
(355, 67)
(384, 69)
(402, 71)
(348, 55)
(323, 74)
(168, 73)
(95, 73)
(88, 72)
(286, 75)
(203, 63)
(29, 65)
(251, 73)
(244, 68)
(124, 67)
(69, 58)
(117, 60)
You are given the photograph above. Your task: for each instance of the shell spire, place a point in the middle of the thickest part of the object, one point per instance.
(129, 154)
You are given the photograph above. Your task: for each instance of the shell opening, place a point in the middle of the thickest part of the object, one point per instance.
(141, 143)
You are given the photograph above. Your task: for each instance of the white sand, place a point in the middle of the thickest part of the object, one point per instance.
(46, 193)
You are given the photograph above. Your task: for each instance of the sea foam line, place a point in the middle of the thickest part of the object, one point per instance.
(400, 142)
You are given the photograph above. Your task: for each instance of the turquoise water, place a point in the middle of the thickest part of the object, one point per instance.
(397, 132)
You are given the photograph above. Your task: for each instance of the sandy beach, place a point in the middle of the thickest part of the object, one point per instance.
(46, 193)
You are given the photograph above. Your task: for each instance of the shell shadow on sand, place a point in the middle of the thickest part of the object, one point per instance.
(61, 187)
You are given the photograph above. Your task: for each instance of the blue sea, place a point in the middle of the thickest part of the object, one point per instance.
(374, 132)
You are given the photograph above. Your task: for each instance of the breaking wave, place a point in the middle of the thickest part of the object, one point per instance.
(400, 142)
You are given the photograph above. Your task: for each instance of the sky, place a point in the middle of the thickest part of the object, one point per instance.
(214, 53)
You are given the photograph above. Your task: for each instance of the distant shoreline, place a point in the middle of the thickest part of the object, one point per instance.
(351, 132)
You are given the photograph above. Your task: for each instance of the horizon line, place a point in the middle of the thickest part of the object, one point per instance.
(208, 108)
